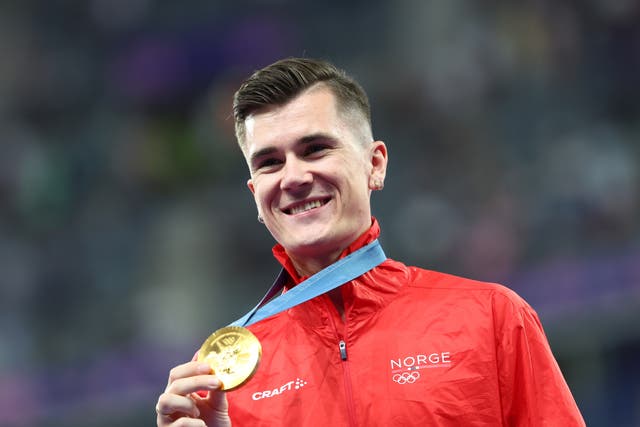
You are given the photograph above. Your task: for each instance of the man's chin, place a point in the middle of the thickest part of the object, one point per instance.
(311, 246)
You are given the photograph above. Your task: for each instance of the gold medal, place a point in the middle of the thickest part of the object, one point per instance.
(233, 353)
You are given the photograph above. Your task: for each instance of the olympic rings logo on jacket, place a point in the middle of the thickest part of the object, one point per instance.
(406, 377)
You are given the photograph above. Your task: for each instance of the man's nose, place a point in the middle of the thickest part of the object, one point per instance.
(296, 174)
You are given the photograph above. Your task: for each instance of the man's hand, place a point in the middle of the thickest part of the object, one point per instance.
(193, 398)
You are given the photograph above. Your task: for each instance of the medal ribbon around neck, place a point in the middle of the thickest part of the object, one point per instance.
(233, 352)
(340, 272)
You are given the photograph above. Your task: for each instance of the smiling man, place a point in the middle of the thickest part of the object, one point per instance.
(396, 345)
(312, 178)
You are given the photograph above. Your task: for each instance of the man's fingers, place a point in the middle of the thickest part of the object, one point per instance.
(166, 421)
(191, 377)
(171, 404)
(216, 402)
(180, 404)
(188, 369)
(185, 386)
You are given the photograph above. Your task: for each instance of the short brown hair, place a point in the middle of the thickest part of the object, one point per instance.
(280, 82)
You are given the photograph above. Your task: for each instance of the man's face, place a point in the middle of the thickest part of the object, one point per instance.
(311, 175)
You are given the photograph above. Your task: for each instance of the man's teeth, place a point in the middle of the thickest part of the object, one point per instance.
(306, 207)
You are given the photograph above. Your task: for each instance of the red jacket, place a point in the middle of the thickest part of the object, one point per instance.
(416, 348)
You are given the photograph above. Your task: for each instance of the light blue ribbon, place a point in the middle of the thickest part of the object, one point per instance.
(338, 273)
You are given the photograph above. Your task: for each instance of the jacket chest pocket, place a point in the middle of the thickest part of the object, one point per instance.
(444, 389)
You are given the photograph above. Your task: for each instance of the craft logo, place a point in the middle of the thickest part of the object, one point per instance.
(406, 370)
(291, 385)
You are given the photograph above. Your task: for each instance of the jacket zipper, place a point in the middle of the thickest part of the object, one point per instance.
(342, 346)
(342, 350)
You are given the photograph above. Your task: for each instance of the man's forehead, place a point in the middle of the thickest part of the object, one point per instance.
(311, 106)
(249, 126)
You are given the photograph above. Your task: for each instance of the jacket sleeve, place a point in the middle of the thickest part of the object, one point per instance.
(533, 391)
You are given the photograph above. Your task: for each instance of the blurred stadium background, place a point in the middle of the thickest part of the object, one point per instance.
(127, 234)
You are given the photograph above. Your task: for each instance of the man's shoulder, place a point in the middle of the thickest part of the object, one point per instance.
(422, 278)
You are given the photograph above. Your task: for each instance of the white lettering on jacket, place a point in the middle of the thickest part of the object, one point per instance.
(406, 370)
(289, 386)
(421, 361)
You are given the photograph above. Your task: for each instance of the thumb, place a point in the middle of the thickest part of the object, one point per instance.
(214, 408)
(217, 400)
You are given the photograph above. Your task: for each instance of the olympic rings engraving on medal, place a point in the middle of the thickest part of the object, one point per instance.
(406, 377)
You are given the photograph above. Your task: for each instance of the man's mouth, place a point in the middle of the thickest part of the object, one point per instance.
(306, 206)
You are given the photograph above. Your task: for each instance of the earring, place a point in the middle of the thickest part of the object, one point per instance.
(378, 184)
(260, 220)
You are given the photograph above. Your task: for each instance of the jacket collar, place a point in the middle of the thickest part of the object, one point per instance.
(363, 297)
(365, 238)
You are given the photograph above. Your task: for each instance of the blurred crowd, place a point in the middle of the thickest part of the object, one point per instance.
(127, 233)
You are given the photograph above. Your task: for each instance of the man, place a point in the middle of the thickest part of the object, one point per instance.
(398, 345)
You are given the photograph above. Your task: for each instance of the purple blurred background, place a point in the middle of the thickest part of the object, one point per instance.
(127, 234)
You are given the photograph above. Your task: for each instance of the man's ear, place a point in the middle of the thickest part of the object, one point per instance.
(379, 159)
(253, 191)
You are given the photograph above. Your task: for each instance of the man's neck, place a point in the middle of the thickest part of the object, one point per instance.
(336, 297)
(306, 267)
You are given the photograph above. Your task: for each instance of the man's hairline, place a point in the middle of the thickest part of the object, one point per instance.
(355, 115)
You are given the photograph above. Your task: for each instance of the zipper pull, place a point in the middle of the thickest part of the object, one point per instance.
(343, 350)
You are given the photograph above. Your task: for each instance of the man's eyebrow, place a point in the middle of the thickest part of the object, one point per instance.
(315, 137)
(307, 139)
(261, 153)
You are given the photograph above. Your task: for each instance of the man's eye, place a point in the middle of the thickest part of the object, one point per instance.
(315, 148)
(268, 162)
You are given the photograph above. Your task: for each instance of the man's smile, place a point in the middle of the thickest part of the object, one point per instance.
(305, 206)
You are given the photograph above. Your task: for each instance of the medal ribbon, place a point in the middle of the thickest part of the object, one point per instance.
(340, 272)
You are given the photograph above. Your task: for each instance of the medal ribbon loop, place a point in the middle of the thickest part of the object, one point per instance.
(340, 272)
